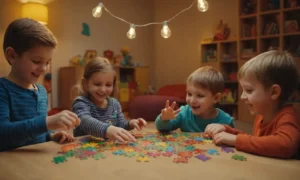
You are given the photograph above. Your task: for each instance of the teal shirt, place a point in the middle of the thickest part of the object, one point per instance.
(188, 122)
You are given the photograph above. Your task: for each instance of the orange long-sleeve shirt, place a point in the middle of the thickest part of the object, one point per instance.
(278, 138)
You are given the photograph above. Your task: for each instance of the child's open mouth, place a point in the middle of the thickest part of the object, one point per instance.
(36, 75)
(195, 107)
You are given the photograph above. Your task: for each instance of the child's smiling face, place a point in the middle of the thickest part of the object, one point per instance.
(255, 95)
(200, 100)
(28, 67)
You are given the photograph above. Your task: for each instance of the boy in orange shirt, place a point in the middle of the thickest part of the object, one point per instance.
(268, 80)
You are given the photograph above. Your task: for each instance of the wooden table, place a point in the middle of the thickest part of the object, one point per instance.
(34, 163)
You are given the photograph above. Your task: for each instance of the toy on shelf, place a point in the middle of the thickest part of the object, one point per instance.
(109, 54)
(222, 32)
(228, 97)
(248, 7)
(127, 58)
(77, 61)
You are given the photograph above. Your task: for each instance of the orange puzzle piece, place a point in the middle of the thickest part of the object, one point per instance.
(68, 147)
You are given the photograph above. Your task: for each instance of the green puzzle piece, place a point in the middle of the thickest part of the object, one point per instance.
(239, 157)
(131, 154)
(98, 156)
(59, 159)
(69, 153)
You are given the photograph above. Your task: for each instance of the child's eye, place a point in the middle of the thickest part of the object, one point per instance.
(109, 85)
(36, 61)
(97, 84)
(189, 94)
(200, 96)
(249, 91)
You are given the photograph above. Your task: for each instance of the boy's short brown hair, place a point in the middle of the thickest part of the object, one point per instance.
(24, 34)
(209, 78)
(273, 67)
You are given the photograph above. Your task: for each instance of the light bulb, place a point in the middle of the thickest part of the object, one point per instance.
(165, 31)
(202, 5)
(131, 32)
(97, 11)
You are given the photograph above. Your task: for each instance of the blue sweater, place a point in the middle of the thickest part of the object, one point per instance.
(95, 120)
(22, 115)
(188, 122)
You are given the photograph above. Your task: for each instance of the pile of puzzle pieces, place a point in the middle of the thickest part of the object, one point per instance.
(178, 146)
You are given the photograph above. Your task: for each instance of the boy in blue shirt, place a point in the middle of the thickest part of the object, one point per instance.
(204, 90)
(28, 47)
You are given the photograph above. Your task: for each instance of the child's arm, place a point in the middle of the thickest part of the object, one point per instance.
(17, 133)
(121, 121)
(284, 143)
(169, 125)
(89, 124)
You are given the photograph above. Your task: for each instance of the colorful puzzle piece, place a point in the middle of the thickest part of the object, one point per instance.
(227, 150)
(130, 154)
(68, 147)
(167, 154)
(239, 157)
(202, 157)
(119, 152)
(154, 154)
(179, 146)
(99, 156)
(138, 135)
(59, 159)
(142, 159)
(213, 152)
(180, 159)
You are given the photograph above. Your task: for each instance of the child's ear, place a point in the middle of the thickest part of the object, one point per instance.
(217, 97)
(275, 91)
(10, 55)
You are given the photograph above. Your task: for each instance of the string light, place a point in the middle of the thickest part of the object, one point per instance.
(165, 31)
(131, 32)
(202, 6)
(97, 11)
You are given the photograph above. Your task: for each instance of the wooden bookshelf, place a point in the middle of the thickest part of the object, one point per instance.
(224, 59)
(276, 27)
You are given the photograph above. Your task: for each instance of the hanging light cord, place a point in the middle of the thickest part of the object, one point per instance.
(152, 23)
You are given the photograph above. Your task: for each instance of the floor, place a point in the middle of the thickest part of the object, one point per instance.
(243, 126)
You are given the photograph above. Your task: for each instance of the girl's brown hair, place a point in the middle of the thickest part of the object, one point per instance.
(98, 64)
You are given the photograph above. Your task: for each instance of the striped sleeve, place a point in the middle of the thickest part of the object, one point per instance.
(13, 133)
(121, 121)
(89, 124)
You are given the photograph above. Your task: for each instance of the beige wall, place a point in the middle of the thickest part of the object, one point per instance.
(9, 10)
(175, 58)
(66, 18)
(171, 60)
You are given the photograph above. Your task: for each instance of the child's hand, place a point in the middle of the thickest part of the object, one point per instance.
(137, 123)
(64, 120)
(120, 134)
(213, 129)
(224, 138)
(168, 112)
(62, 137)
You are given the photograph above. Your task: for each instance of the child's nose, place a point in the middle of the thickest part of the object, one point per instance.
(243, 96)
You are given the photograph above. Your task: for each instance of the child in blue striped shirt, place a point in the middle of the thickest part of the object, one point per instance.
(28, 47)
(100, 114)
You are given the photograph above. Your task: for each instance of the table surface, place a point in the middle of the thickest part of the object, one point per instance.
(35, 162)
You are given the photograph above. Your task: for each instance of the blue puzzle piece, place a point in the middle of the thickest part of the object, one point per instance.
(213, 152)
